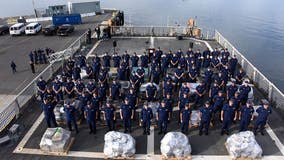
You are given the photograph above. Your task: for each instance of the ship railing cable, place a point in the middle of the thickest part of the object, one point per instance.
(272, 92)
(163, 31)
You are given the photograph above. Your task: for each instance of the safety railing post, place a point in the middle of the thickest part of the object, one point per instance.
(270, 91)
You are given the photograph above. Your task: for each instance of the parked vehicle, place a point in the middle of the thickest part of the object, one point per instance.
(65, 30)
(33, 28)
(17, 29)
(50, 30)
(4, 29)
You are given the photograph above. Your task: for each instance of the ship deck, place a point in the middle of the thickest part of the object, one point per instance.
(86, 146)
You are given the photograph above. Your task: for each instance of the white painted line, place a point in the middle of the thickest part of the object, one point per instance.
(150, 142)
(275, 139)
(92, 50)
(23, 142)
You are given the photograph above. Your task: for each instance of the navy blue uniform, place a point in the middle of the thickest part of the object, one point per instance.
(231, 91)
(164, 64)
(200, 90)
(246, 115)
(239, 77)
(178, 76)
(70, 117)
(192, 75)
(110, 117)
(213, 92)
(57, 88)
(228, 117)
(140, 73)
(69, 89)
(163, 117)
(115, 91)
(244, 91)
(261, 118)
(102, 92)
(232, 65)
(79, 88)
(49, 114)
(106, 60)
(185, 120)
(144, 61)
(96, 105)
(156, 76)
(206, 62)
(116, 60)
(151, 92)
(89, 71)
(126, 111)
(146, 115)
(218, 103)
(42, 86)
(76, 73)
(134, 61)
(91, 118)
(208, 77)
(168, 89)
(206, 113)
(183, 90)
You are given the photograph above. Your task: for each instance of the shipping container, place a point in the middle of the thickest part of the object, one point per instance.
(67, 19)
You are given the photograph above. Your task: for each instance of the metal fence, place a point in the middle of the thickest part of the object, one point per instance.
(13, 109)
(273, 93)
(162, 31)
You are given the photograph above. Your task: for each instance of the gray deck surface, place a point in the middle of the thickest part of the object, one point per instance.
(201, 145)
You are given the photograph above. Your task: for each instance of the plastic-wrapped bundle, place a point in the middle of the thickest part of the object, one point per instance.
(154, 106)
(175, 144)
(144, 86)
(55, 140)
(243, 145)
(194, 118)
(119, 145)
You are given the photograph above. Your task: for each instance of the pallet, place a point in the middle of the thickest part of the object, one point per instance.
(120, 158)
(241, 158)
(62, 153)
(174, 158)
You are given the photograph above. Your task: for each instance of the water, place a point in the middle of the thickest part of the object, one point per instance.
(254, 27)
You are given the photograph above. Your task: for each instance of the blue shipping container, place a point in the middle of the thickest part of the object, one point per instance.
(66, 19)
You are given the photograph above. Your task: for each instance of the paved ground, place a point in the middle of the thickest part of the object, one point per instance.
(92, 145)
(18, 48)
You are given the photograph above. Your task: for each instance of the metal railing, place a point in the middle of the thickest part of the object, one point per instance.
(162, 31)
(273, 93)
(12, 109)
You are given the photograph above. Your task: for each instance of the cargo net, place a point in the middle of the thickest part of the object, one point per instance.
(243, 145)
